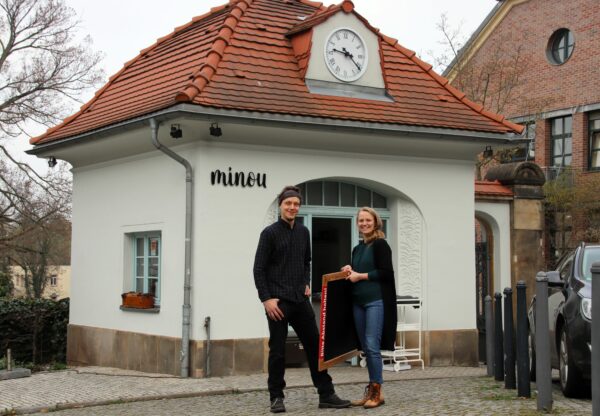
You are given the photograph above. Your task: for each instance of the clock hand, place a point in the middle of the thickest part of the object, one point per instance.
(349, 55)
(344, 52)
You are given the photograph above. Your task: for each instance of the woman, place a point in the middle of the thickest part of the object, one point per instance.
(374, 300)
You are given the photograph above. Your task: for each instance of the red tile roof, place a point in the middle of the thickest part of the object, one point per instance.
(492, 189)
(239, 56)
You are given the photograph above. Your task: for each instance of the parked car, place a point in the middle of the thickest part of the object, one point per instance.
(570, 317)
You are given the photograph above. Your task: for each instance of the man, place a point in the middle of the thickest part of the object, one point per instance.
(282, 277)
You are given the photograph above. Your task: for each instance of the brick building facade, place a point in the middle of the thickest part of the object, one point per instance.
(536, 62)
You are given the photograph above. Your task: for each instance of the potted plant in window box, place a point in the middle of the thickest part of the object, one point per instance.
(137, 300)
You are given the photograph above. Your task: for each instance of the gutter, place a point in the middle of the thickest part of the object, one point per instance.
(187, 287)
(282, 120)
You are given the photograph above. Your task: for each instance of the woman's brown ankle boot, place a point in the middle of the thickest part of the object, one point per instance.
(376, 398)
(366, 397)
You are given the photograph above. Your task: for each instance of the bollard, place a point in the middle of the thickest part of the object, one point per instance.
(596, 340)
(523, 384)
(509, 346)
(498, 347)
(8, 360)
(543, 372)
(489, 336)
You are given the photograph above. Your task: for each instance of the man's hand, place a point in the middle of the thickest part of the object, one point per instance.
(347, 268)
(307, 291)
(272, 309)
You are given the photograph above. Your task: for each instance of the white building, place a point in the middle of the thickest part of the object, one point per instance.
(301, 94)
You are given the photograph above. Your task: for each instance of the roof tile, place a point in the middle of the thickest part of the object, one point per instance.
(252, 55)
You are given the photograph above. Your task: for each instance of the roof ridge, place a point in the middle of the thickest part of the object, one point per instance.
(126, 65)
(459, 95)
(203, 75)
(316, 4)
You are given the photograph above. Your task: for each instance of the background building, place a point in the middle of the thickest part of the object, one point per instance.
(534, 60)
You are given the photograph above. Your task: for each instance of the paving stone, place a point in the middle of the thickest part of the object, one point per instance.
(433, 391)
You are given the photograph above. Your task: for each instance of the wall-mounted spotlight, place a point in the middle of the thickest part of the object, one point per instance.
(215, 130)
(51, 162)
(488, 152)
(176, 131)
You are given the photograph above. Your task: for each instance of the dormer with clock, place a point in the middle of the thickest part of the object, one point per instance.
(339, 53)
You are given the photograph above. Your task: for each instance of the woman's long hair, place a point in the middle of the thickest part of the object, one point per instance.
(377, 231)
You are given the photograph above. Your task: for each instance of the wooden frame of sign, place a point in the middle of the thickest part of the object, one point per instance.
(337, 339)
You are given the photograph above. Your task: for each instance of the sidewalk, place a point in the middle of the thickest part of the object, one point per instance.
(90, 386)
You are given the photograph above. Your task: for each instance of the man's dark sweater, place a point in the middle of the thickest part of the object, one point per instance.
(282, 262)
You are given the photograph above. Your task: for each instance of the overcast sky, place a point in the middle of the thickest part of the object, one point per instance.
(121, 28)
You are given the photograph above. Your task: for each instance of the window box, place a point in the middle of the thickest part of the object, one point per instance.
(138, 300)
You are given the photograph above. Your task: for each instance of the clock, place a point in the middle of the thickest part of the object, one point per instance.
(346, 54)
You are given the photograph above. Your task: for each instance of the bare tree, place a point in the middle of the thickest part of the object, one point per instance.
(572, 210)
(44, 70)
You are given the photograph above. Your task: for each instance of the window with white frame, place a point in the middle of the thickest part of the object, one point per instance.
(53, 280)
(147, 251)
(594, 154)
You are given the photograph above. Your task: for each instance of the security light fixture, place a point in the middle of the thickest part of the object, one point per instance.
(176, 131)
(215, 130)
(51, 161)
(488, 152)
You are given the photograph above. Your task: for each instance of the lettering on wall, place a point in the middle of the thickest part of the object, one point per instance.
(243, 179)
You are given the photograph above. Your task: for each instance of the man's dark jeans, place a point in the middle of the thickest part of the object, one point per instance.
(302, 318)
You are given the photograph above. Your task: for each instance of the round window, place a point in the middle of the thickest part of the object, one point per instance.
(560, 46)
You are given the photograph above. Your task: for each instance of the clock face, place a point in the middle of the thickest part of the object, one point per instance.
(346, 55)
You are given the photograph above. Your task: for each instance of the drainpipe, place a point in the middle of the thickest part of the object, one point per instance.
(185, 326)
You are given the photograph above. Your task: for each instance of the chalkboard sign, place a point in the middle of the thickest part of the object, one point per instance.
(338, 340)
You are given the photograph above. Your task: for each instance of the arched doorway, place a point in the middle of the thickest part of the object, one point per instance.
(483, 277)
(329, 212)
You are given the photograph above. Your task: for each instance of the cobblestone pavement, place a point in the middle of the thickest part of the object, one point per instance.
(103, 391)
(458, 396)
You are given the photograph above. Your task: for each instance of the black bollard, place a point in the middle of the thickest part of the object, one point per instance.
(523, 384)
(543, 371)
(509, 346)
(498, 347)
(489, 335)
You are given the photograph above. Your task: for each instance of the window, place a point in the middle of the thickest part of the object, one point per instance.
(560, 46)
(53, 280)
(340, 194)
(562, 144)
(147, 253)
(594, 155)
(566, 268)
(530, 135)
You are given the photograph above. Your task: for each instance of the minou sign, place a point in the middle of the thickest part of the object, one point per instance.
(229, 178)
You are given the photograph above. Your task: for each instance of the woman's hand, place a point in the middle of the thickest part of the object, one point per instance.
(346, 268)
(355, 277)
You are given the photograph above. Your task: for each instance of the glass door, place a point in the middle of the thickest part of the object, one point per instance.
(331, 246)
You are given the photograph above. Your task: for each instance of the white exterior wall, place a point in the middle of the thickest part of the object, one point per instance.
(497, 216)
(146, 193)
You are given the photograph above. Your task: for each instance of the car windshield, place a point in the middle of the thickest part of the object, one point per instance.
(590, 256)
